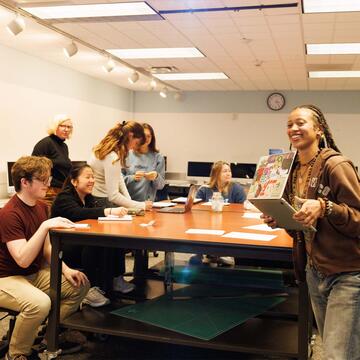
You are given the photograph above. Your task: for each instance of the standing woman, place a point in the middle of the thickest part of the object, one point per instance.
(107, 160)
(220, 181)
(54, 148)
(325, 188)
(76, 203)
(145, 173)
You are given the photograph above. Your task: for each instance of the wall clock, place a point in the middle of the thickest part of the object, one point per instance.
(275, 101)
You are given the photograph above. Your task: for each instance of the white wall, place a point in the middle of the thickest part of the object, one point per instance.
(237, 126)
(32, 91)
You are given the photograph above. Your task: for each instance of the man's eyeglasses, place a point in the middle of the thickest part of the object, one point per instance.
(46, 182)
(67, 127)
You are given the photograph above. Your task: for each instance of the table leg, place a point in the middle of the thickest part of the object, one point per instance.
(55, 292)
(168, 276)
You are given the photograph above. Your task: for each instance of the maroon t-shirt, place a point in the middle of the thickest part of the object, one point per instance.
(19, 221)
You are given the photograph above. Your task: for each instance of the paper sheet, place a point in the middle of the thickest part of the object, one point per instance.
(210, 203)
(81, 226)
(261, 227)
(182, 199)
(250, 215)
(205, 231)
(115, 218)
(249, 236)
(161, 204)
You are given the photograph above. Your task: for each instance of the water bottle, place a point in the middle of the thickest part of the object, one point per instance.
(217, 201)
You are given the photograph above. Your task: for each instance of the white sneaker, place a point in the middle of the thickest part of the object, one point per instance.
(121, 285)
(95, 297)
(226, 261)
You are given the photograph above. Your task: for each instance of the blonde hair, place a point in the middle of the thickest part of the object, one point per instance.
(56, 121)
(215, 175)
(117, 139)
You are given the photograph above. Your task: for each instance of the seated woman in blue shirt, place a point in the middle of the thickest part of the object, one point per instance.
(76, 203)
(220, 181)
(145, 171)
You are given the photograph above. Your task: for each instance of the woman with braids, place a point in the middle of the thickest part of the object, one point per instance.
(107, 160)
(324, 188)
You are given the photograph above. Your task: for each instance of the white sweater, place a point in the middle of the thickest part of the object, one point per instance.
(109, 181)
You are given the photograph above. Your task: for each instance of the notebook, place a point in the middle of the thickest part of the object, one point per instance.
(267, 189)
(188, 204)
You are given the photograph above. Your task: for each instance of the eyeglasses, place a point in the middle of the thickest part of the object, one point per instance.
(67, 127)
(46, 182)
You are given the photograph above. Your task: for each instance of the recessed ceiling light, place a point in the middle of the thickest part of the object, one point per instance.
(332, 49)
(316, 6)
(192, 76)
(90, 10)
(156, 53)
(334, 74)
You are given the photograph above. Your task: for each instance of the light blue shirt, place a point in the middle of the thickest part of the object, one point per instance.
(236, 194)
(144, 189)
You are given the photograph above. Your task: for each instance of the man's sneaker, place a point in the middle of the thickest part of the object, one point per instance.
(196, 260)
(69, 347)
(225, 261)
(121, 285)
(95, 297)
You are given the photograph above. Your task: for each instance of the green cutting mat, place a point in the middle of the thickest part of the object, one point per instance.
(198, 314)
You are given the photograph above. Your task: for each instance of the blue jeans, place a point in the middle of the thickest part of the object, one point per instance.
(335, 301)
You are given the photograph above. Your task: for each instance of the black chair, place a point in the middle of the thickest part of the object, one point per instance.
(4, 343)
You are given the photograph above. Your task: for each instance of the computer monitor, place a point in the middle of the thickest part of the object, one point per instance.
(10, 184)
(198, 168)
(243, 170)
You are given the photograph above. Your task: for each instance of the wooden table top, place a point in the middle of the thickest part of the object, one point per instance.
(174, 226)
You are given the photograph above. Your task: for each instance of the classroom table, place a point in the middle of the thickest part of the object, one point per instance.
(169, 234)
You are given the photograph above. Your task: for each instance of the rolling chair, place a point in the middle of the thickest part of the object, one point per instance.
(4, 343)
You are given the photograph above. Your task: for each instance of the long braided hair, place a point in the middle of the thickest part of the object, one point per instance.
(327, 139)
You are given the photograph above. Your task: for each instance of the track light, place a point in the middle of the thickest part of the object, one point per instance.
(153, 84)
(16, 26)
(109, 66)
(163, 92)
(134, 77)
(70, 50)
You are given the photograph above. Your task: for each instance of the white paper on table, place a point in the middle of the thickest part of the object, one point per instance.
(250, 215)
(249, 236)
(81, 226)
(205, 231)
(182, 200)
(115, 218)
(161, 204)
(209, 203)
(260, 227)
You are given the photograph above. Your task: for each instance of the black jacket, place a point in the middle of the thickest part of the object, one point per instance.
(68, 204)
(57, 151)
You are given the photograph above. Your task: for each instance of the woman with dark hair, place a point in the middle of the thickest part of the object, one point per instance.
(145, 171)
(107, 160)
(76, 203)
(324, 187)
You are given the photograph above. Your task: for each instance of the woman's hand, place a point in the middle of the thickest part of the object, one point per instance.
(309, 212)
(75, 277)
(119, 211)
(151, 175)
(139, 175)
(269, 221)
(148, 205)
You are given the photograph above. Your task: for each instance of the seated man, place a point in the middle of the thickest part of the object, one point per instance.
(25, 251)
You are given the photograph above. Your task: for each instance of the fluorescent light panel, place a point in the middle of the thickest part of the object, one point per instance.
(333, 49)
(91, 10)
(191, 76)
(156, 53)
(325, 6)
(333, 74)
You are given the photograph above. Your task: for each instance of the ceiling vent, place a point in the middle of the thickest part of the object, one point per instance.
(162, 69)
